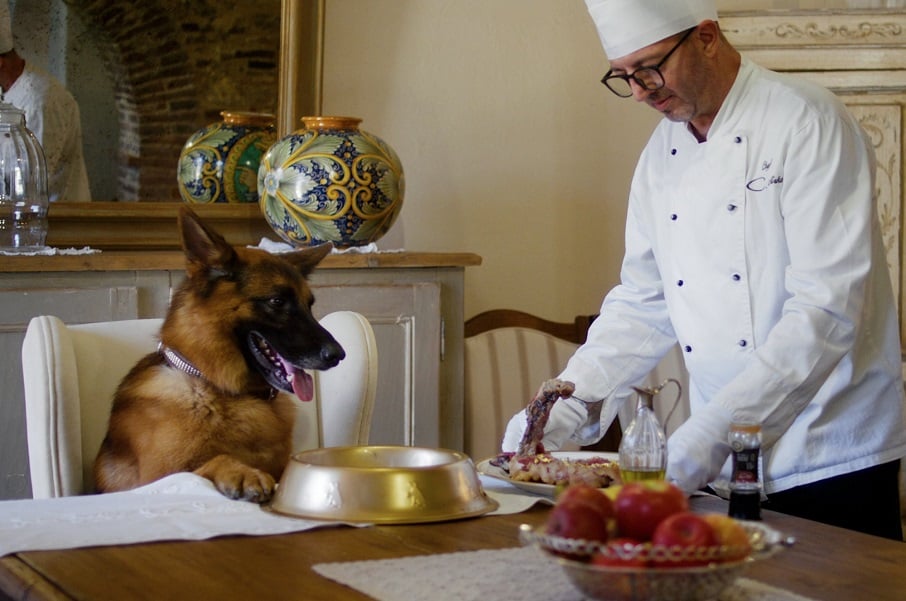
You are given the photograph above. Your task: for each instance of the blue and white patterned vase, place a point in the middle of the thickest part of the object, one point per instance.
(219, 162)
(330, 182)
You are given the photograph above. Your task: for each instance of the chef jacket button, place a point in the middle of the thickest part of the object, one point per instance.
(736, 277)
(673, 151)
(731, 207)
(737, 139)
(679, 282)
(687, 348)
(742, 343)
(673, 216)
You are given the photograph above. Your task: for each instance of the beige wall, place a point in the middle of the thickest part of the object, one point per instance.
(512, 148)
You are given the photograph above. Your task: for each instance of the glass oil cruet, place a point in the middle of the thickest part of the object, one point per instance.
(643, 449)
(23, 184)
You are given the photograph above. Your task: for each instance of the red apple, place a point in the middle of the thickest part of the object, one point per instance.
(641, 506)
(684, 530)
(582, 511)
(588, 495)
(577, 521)
(730, 534)
(629, 558)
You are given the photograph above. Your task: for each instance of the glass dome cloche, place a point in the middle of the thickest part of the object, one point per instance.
(330, 182)
(23, 184)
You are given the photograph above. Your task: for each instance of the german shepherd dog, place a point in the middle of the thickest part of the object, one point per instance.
(237, 335)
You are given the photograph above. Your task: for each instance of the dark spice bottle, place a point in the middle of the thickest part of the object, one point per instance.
(745, 484)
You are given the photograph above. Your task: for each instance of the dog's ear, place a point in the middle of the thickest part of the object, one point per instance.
(206, 250)
(305, 260)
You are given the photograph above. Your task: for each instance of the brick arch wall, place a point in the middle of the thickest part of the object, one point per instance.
(175, 65)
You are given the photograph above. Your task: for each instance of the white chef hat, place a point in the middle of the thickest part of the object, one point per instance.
(625, 26)
(6, 28)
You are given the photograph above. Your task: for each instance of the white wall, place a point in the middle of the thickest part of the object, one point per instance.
(512, 148)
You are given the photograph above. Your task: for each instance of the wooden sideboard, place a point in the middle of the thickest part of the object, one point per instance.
(414, 302)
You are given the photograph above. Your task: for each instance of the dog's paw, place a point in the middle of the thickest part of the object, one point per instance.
(237, 480)
(253, 485)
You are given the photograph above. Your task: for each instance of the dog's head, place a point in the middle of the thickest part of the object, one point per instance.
(243, 316)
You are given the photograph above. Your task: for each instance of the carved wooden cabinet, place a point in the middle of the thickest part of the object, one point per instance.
(412, 300)
(861, 56)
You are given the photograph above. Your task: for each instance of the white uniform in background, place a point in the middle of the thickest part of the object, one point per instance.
(53, 115)
(760, 252)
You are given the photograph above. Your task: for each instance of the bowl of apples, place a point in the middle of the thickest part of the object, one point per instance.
(641, 542)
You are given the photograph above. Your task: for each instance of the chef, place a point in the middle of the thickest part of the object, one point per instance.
(752, 240)
(51, 113)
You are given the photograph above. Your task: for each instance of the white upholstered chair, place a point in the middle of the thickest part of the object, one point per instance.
(71, 373)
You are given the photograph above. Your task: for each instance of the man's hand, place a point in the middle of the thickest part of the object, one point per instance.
(565, 418)
(698, 449)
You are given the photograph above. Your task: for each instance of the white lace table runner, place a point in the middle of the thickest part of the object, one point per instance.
(49, 251)
(275, 247)
(515, 574)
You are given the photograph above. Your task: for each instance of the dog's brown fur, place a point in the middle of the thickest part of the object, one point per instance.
(226, 425)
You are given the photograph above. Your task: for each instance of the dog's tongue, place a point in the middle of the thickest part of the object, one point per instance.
(303, 385)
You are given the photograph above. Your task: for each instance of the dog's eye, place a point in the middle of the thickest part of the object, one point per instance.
(276, 302)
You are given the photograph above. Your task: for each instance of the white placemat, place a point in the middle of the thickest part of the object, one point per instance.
(514, 574)
(179, 507)
(510, 498)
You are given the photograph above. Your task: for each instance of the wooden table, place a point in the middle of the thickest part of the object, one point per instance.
(826, 563)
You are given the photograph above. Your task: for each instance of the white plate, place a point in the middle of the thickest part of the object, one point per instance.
(485, 467)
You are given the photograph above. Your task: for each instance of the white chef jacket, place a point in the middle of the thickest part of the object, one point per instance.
(52, 114)
(759, 251)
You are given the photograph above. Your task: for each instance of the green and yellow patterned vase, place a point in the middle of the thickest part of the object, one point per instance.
(330, 182)
(219, 163)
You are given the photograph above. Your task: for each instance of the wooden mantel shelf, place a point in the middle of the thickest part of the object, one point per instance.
(142, 260)
(144, 236)
(146, 225)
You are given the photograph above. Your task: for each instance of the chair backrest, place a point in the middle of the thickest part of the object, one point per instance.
(508, 354)
(495, 319)
(71, 374)
(344, 395)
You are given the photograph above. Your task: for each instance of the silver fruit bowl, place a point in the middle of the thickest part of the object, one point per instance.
(662, 579)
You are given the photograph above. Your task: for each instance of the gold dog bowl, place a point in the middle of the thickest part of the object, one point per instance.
(381, 484)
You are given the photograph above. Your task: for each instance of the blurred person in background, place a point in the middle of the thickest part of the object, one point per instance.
(51, 113)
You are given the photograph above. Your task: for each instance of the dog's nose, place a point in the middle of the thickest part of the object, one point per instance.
(332, 353)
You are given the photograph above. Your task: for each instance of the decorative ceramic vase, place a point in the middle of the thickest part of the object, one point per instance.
(330, 182)
(219, 163)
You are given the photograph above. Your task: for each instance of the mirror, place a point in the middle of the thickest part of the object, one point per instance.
(170, 67)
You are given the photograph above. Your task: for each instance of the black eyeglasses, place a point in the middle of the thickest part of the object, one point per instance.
(648, 78)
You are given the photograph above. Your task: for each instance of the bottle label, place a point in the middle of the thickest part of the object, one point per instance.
(745, 466)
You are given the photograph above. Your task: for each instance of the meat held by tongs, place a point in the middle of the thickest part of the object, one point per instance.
(537, 413)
